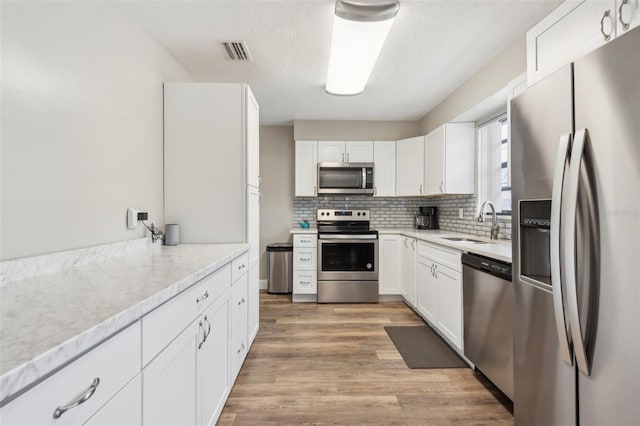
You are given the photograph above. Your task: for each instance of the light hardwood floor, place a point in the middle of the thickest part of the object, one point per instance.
(335, 365)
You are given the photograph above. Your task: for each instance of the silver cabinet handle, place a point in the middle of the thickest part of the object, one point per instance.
(607, 14)
(569, 249)
(315, 191)
(420, 189)
(413, 244)
(79, 400)
(440, 186)
(375, 190)
(204, 296)
(305, 282)
(241, 301)
(241, 348)
(305, 259)
(206, 335)
(343, 157)
(305, 241)
(347, 157)
(241, 266)
(625, 25)
(405, 243)
(556, 277)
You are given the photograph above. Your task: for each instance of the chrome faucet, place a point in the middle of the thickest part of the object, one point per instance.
(495, 227)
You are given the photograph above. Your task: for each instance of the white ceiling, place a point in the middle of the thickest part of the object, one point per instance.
(432, 48)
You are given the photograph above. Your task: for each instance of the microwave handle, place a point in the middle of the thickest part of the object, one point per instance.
(364, 178)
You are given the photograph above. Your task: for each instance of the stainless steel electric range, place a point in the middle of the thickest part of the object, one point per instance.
(347, 257)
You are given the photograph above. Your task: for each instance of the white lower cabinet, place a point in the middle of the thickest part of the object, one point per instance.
(408, 276)
(440, 290)
(213, 379)
(239, 346)
(305, 278)
(253, 300)
(427, 300)
(169, 382)
(100, 374)
(390, 264)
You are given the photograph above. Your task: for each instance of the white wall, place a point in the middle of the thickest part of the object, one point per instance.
(491, 78)
(81, 125)
(354, 130)
(277, 157)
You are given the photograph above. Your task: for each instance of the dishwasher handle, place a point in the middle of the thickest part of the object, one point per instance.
(487, 265)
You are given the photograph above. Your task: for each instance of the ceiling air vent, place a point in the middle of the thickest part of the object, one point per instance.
(237, 51)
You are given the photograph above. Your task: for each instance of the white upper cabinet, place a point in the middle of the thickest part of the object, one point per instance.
(345, 152)
(306, 168)
(359, 151)
(384, 158)
(331, 152)
(449, 159)
(574, 29)
(410, 166)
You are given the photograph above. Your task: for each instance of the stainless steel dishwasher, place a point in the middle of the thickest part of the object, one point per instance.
(488, 318)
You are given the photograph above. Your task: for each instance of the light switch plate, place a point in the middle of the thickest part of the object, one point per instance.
(132, 218)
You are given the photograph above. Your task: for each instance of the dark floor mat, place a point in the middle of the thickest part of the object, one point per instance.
(421, 347)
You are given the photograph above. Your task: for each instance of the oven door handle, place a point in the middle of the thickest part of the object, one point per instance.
(346, 239)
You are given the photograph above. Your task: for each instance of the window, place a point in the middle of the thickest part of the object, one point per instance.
(494, 172)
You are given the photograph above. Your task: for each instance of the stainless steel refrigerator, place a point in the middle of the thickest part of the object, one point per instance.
(576, 242)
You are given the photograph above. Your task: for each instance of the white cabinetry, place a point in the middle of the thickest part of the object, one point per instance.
(409, 258)
(124, 409)
(410, 166)
(449, 159)
(574, 29)
(384, 158)
(306, 173)
(305, 253)
(345, 151)
(440, 290)
(100, 375)
(390, 273)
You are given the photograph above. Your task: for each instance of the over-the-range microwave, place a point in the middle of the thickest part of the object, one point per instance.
(345, 178)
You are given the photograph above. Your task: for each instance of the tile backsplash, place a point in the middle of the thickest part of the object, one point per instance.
(398, 212)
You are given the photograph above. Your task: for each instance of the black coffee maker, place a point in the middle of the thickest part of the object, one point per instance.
(427, 218)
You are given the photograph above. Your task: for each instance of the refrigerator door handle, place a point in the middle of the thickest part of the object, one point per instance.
(557, 284)
(569, 249)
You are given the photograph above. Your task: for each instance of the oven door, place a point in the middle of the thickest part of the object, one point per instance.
(347, 259)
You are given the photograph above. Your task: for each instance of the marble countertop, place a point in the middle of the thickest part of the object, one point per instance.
(495, 249)
(49, 320)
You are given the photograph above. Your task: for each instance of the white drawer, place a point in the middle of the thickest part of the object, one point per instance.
(305, 282)
(113, 363)
(444, 255)
(304, 259)
(239, 266)
(305, 240)
(162, 325)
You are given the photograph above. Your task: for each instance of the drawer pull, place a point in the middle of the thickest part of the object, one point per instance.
(305, 259)
(206, 335)
(82, 398)
(305, 241)
(241, 266)
(201, 298)
(305, 282)
(241, 301)
(241, 348)
(606, 15)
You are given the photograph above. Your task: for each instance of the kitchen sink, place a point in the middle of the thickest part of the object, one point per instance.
(465, 240)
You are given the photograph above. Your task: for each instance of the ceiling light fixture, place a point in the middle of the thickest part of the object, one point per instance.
(360, 28)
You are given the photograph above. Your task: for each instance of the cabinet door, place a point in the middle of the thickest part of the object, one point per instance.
(390, 264)
(384, 157)
(213, 361)
(253, 222)
(306, 168)
(458, 159)
(409, 270)
(628, 16)
(331, 152)
(169, 382)
(359, 151)
(569, 32)
(124, 409)
(410, 166)
(434, 161)
(427, 290)
(253, 300)
(450, 304)
(304, 259)
(239, 346)
(253, 140)
(305, 282)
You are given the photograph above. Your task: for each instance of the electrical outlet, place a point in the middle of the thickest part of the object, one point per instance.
(461, 213)
(132, 218)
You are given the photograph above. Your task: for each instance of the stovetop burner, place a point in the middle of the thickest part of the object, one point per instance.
(345, 222)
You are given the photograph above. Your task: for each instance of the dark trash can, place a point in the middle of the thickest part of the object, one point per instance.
(280, 268)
